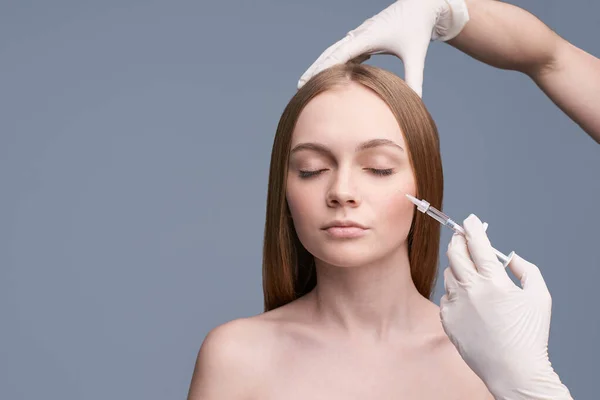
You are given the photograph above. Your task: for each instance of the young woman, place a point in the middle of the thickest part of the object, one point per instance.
(349, 265)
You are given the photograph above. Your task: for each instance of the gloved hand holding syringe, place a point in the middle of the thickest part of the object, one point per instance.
(500, 330)
(426, 208)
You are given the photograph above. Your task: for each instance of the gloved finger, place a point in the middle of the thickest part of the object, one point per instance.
(462, 266)
(414, 64)
(450, 283)
(462, 246)
(360, 59)
(348, 50)
(357, 42)
(529, 274)
(446, 316)
(480, 248)
(444, 301)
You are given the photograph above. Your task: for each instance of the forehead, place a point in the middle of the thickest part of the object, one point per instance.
(345, 116)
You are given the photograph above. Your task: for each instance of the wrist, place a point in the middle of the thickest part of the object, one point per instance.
(544, 384)
(451, 21)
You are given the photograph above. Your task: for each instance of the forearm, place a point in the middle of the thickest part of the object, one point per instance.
(508, 37)
(572, 82)
(505, 36)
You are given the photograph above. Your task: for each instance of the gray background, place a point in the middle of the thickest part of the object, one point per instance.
(135, 139)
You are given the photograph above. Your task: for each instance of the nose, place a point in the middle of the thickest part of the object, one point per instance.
(342, 193)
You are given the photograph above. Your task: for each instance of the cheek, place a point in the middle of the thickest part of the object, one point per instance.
(298, 200)
(397, 210)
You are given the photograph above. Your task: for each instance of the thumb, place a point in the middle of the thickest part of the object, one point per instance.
(529, 274)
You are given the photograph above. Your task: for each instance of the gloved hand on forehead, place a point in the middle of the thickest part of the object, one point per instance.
(404, 29)
(500, 329)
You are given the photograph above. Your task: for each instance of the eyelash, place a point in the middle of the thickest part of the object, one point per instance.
(380, 172)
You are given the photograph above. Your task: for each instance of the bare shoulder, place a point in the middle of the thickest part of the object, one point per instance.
(231, 360)
(447, 368)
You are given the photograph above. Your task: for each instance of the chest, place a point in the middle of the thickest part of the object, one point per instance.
(344, 373)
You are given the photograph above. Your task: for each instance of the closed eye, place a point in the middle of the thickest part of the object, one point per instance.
(308, 174)
(379, 172)
(382, 172)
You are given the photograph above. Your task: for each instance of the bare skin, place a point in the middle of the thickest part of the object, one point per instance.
(364, 331)
(508, 37)
(286, 353)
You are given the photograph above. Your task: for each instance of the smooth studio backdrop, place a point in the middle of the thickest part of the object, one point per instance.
(135, 139)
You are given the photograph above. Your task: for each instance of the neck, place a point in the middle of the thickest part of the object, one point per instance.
(376, 301)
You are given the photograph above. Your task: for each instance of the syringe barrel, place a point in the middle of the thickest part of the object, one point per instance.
(437, 215)
(454, 226)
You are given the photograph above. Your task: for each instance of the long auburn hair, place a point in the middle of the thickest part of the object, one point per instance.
(288, 268)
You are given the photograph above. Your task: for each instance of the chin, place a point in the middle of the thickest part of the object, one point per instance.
(346, 255)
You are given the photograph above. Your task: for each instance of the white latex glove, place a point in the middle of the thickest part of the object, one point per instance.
(404, 29)
(500, 330)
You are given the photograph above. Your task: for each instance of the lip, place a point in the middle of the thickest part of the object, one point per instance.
(344, 224)
(345, 232)
(345, 229)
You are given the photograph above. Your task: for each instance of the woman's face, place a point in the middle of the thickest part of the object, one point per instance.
(329, 179)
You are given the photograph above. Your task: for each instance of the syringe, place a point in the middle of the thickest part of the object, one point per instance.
(426, 208)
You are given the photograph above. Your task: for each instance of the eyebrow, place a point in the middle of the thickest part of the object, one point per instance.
(370, 144)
